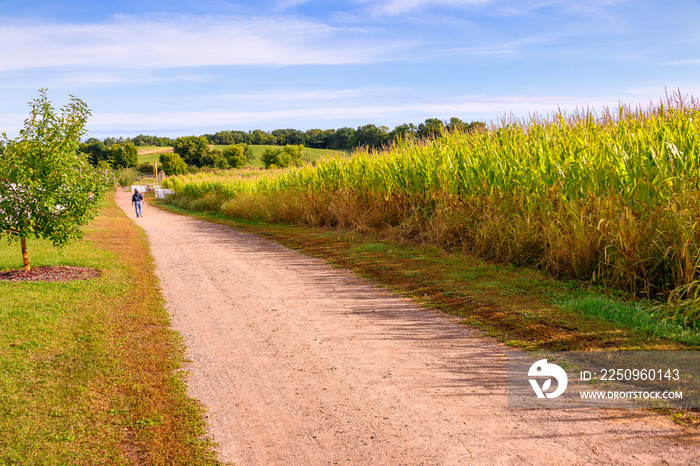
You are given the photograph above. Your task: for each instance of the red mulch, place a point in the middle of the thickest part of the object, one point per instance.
(59, 273)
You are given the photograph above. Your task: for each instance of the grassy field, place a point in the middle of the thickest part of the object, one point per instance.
(89, 369)
(151, 153)
(309, 154)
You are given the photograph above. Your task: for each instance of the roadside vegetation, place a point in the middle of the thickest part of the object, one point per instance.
(519, 306)
(608, 201)
(89, 370)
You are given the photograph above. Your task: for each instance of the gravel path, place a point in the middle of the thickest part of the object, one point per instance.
(298, 363)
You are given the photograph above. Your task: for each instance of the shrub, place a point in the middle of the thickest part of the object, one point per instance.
(235, 155)
(276, 157)
(173, 164)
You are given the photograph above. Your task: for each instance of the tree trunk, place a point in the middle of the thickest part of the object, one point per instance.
(25, 254)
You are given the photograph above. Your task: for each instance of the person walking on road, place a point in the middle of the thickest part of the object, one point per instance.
(136, 200)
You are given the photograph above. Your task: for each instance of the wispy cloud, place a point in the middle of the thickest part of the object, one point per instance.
(306, 96)
(688, 62)
(397, 7)
(509, 48)
(287, 4)
(519, 105)
(129, 76)
(181, 41)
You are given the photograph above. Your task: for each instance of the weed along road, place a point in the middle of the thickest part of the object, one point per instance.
(300, 363)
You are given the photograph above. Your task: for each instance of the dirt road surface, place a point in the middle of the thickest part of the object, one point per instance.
(298, 363)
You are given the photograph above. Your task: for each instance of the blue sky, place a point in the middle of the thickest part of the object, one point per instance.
(192, 67)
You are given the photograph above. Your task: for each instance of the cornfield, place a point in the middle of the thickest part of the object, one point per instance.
(612, 198)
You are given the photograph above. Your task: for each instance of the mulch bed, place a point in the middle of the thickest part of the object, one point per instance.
(61, 273)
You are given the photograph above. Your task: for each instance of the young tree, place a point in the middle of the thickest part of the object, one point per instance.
(235, 155)
(48, 189)
(272, 157)
(173, 164)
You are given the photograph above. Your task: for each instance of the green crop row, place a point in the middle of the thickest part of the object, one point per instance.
(611, 198)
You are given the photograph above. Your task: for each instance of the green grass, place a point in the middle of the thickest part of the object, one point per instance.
(309, 154)
(88, 369)
(142, 149)
(519, 306)
(144, 157)
(634, 315)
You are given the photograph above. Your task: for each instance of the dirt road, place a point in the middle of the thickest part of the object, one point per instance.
(300, 363)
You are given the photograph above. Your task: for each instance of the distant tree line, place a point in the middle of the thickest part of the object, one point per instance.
(371, 136)
(191, 152)
(143, 140)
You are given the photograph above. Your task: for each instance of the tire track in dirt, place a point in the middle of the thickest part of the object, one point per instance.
(300, 363)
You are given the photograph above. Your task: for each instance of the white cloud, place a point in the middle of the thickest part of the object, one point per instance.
(181, 41)
(688, 62)
(510, 48)
(129, 76)
(397, 7)
(518, 105)
(306, 96)
(286, 4)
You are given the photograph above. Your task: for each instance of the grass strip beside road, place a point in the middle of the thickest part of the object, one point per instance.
(518, 306)
(90, 370)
